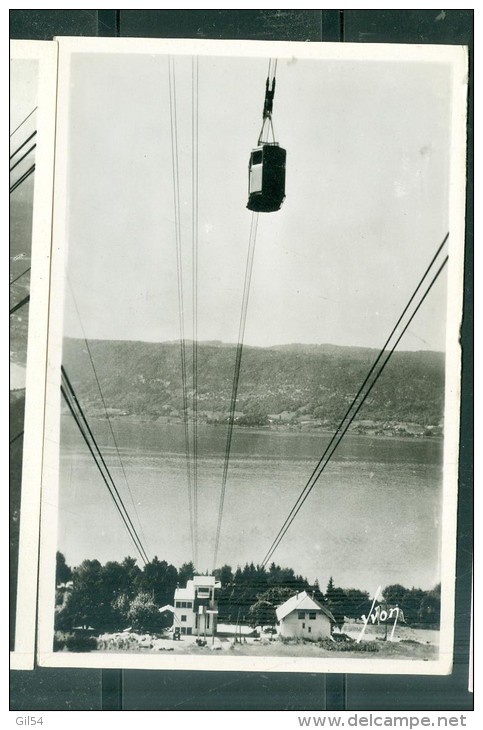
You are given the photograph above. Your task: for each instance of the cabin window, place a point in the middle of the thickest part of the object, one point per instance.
(183, 617)
(301, 615)
(312, 616)
(257, 157)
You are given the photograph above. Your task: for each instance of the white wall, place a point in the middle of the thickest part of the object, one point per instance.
(292, 626)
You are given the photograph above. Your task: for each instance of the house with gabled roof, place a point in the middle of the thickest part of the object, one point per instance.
(303, 617)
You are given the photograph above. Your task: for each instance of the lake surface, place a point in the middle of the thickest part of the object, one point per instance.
(373, 518)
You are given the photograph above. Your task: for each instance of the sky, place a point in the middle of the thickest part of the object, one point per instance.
(367, 199)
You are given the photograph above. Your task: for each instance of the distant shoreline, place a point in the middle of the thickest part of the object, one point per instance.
(275, 428)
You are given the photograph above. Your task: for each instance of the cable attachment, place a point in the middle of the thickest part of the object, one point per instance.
(269, 94)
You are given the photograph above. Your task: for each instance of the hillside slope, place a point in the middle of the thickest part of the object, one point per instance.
(295, 383)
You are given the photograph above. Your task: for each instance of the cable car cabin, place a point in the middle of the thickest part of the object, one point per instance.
(266, 178)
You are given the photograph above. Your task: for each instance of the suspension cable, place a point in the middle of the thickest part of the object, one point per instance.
(236, 375)
(368, 376)
(26, 141)
(20, 275)
(22, 178)
(26, 154)
(15, 438)
(91, 358)
(23, 121)
(71, 399)
(344, 426)
(195, 241)
(179, 270)
(20, 304)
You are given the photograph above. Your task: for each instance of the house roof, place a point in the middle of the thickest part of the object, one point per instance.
(206, 580)
(301, 602)
(185, 594)
(199, 581)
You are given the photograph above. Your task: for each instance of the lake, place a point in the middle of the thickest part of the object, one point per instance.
(373, 518)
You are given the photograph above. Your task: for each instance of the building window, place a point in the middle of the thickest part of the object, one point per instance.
(207, 620)
(257, 157)
(177, 604)
(312, 616)
(189, 630)
(183, 629)
(183, 617)
(189, 604)
(310, 629)
(303, 625)
(301, 615)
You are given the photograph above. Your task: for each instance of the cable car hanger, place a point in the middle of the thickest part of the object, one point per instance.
(267, 110)
(266, 170)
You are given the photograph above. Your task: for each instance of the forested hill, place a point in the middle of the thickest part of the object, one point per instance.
(300, 385)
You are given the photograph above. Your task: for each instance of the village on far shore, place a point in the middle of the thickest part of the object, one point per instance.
(293, 421)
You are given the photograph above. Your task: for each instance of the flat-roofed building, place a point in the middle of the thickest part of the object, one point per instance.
(195, 606)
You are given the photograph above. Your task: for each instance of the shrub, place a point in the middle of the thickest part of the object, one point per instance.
(74, 642)
(59, 640)
(409, 641)
(348, 645)
(81, 642)
(341, 637)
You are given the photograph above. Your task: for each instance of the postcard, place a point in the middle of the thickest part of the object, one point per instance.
(253, 380)
(33, 85)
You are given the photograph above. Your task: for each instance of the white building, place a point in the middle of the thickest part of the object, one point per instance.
(195, 607)
(305, 618)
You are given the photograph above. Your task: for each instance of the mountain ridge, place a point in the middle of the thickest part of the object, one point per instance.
(296, 382)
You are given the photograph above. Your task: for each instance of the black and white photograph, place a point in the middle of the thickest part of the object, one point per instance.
(251, 438)
(33, 76)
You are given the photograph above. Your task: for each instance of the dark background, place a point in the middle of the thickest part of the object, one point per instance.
(89, 689)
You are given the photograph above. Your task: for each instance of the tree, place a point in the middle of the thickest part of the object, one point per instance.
(224, 575)
(115, 581)
(159, 580)
(394, 594)
(337, 602)
(430, 607)
(186, 573)
(262, 613)
(132, 573)
(63, 574)
(411, 605)
(83, 606)
(356, 603)
(120, 608)
(143, 614)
